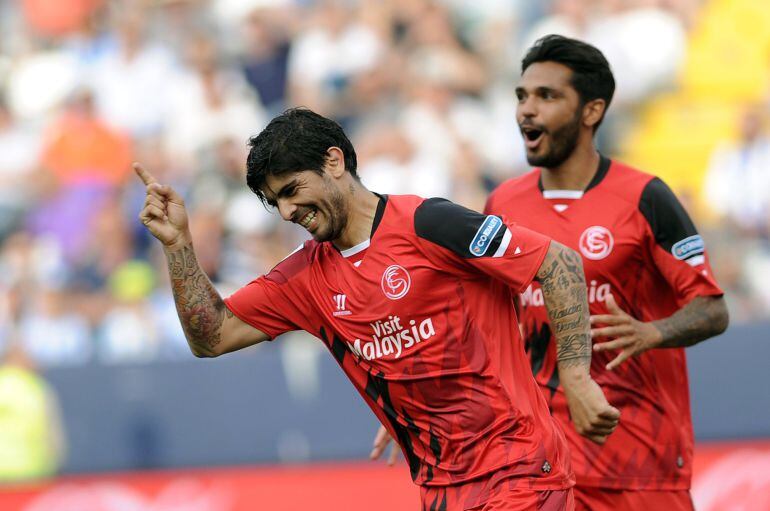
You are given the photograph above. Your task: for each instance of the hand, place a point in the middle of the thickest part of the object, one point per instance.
(381, 442)
(631, 336)
(164, 213)
(592, 415)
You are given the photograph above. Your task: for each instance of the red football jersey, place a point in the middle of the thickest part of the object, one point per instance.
(638, 243)
(422, 327)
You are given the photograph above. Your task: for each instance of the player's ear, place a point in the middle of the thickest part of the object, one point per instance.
(335, 162)
(593, 111)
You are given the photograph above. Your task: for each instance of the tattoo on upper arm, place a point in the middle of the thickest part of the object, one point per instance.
(200, 308)
(564, 291)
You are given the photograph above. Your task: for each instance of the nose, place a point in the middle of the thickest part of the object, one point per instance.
(526, 108)
(286, 209)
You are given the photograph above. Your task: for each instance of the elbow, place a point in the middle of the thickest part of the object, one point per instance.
(720, 317)
(204, 354)
(204, 351)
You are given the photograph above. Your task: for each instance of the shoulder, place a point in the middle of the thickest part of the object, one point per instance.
(465, 232)
(627, 180)
(293, 264)
(514, 189)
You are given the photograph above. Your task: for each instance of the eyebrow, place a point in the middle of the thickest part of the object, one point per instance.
(540, 90)
(282, 192)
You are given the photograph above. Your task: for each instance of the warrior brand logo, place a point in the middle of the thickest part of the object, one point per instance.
(485, 235)
(596, 242)
(596, 293)
(390, 338)
(395, 282)
(688, 247)
(339, 302)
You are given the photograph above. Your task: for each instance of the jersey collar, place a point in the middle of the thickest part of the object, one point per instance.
(601, 173)
(378, 214)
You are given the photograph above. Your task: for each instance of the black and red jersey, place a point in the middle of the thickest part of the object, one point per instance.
(421, 323)
(637, 243)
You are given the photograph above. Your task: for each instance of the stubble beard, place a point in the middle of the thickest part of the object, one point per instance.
(336, 212)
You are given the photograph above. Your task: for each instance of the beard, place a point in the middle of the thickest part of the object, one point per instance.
(334, 207)
(563, 142)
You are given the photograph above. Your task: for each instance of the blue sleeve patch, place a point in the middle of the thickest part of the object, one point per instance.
(688, 247)
(484, 236)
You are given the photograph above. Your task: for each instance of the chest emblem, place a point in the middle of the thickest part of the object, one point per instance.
(395, 282)
(596, 242)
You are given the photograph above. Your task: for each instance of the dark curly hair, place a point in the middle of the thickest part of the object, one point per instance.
(296, 140)
(591, 74)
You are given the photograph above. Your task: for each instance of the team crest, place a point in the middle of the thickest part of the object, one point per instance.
(395, 282)
(596, 242)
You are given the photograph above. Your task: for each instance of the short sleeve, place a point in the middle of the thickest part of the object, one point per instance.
(676, 247)
(474, 243)
(271, 303)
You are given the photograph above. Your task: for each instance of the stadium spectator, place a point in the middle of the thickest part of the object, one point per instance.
(19, 153)
(737, 184)
(32, 445)
(433, 78)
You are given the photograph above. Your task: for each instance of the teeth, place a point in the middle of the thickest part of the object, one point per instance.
(307, 219)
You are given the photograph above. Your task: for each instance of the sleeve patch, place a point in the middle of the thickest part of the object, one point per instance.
(688, 247)
(484, 236)
(465, 232)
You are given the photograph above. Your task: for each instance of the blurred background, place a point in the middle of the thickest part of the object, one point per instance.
(96, 375)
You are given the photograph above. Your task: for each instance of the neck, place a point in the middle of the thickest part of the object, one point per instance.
(574, 173)
(361, 213)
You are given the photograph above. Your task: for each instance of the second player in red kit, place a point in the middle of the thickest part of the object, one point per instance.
(413, 298)
(650, 286)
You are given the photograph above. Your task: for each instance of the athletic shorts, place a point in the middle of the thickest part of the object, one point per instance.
(500, 496)
(602, 499)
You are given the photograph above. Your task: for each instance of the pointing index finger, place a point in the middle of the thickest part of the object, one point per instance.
(144, 174)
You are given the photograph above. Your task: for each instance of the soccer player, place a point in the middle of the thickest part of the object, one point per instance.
(650, 286)
(413, 298)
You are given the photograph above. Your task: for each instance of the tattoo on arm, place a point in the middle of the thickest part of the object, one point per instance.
(200, 308)
(703, 317)
(564, 291)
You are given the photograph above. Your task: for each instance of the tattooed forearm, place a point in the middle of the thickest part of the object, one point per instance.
(703, 317)
(200, 308)
(564, 291)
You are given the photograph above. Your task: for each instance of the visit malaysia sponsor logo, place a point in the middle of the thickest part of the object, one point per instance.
(395, 282)
(484, 236)
(596, 242)
(391, 338)
(596, 293)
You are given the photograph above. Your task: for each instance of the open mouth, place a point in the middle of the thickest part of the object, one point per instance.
(308, 219)
(532, 136)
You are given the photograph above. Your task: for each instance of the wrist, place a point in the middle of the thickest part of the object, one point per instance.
(574, 375)
(654, 335)
(182, 241)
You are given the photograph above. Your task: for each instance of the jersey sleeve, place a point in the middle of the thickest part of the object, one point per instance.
(272, 303)
(676, 248)
(472, 243)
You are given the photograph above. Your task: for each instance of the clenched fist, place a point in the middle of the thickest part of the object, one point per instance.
(592, 415)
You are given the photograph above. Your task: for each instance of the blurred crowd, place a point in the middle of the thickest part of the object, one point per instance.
(423, 87)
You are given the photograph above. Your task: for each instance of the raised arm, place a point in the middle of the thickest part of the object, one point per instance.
(209, 326)
(563, 283)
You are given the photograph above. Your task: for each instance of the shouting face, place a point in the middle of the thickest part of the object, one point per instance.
(549, 113)
(311, 200)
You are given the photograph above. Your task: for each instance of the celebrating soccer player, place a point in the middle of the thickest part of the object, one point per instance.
(413, 299)
(649, 282)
